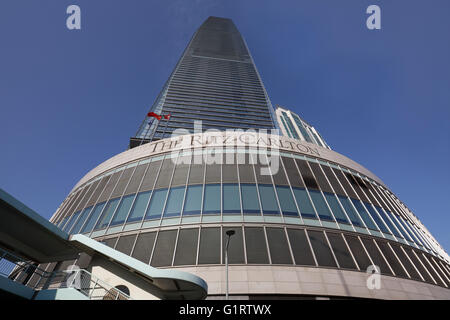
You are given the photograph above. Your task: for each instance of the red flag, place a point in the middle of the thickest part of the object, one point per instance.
(167, 116)
(152, 114)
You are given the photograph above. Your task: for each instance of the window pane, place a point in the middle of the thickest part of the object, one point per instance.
(255, 243)
(377, 258)
(388, 222)
(391, 258)
(286, 201)
(165, 174)
(93, 218)
(352, 214)
(139, 206)
(358, 252)
(236, 246)
(211, 201)
(193, 202)
(418, 265)
(231, 200)
(300, 247)
(321, 249)
(268, 200)
(278, 246)
(71, 221)
(334, 182)
(229, 168)
(125, 244)
(212, 173)
(165, 245)
(250, 202)
(174, 202)
(397, 224)
(122, 183)
(323, 183)
(307, 175)
(209, 250)
(405, 261)
(122, 210)
(135, 181)
(81, 220)
(144, 246)
(181, 171)
(363, 214)
(336, 208)
(186, 252)
(321, 207)
(304, 204)
(340, 250)
(376, 218)
(150, 176)
(107, 214)
(292, 172)
(156, 204)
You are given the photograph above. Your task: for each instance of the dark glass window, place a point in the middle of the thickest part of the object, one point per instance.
(144, 246)
(364, 215)
(356, 187)
(250, 202)
(212, 173)
(139, 207)
(122, 210)
(391, 258)
(340, 250)
(388, 222)
(418, 265)
(165, 245)
(262, 170)
(209, 250)
(123, 181)
(321, 249)
(333, 181)
(438, 269)
(229, 168)
(279, 177)
(321, 207)
(193, 202)
(278, 246)
(323, 183)
(72, 220)
(231, 199)
(358, 252)
(245, 167)
(345, 183)
(196, 172)
(125, 244)
(268, 199)
(93, 218)
(81, 220)
(427, 264)
(98, 191)
(300, 247)
(304, 204)
(307, 175)
(181, 171)
(165, 174)
(109, 187)
(336, 208)
(107, 214)
(211, 199)
(376, 218)
(352, 214)
(150, 176)
(156, 204)
(255, 243)
(235, 247)
(186, 252)
(135, 181)
(111, 242)
(174, 202)
(286, 201)
(292, 172)
(376, 256)
(405, 261)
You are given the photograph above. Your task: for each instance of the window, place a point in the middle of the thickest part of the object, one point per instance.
(138, 210)
(212, 173)
(286, 201)
(181, 171)
(268, 199)
(388, 222)
(193, 202)
(156, 204)
(250, 202)
(333, 181)
(144, 246)
(165, 245)
(321, 207)
(376, 218)
(405, 261)
(321, 249)
(71, 221)
(209, 249)
(278, 246)
(377, 258)
(418, 265)
(391, 258)
(122, 210)
(336, 208)
(165, 173)
(125, 244)
(174, 202)
(93, 218)
(352, 214)
(107, 214)
(255, 243)
(231, 199)
(122, 183)
(186, 252)
(111, 242)
(81, 220)
(363, 214)
(150, 176)
(307, 175)
(304, 204)
(340, 250)
(358, 251)
(292, 172)
(323, 183)
(211, 200)
(300, 247)
(236, 246)
(133, 185)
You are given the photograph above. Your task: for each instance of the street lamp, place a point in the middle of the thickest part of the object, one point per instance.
(229, 233)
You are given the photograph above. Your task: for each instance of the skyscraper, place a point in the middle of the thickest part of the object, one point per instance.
(216, 82)
(307, 221)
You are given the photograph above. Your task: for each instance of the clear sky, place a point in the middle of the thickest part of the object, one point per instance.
(71, 99)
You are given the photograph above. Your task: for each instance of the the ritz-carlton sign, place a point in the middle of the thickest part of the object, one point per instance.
(259, 140)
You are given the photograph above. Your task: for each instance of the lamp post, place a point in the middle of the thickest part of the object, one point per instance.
(229, 233)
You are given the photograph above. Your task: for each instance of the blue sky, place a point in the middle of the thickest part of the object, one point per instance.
(71, 99)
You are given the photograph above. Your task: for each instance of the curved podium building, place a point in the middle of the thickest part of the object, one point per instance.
(308, 221)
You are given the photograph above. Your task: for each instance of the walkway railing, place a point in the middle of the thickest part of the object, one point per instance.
(28, 273)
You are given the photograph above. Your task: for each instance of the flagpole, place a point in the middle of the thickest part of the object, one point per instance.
(165, 127)
(154, 131)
